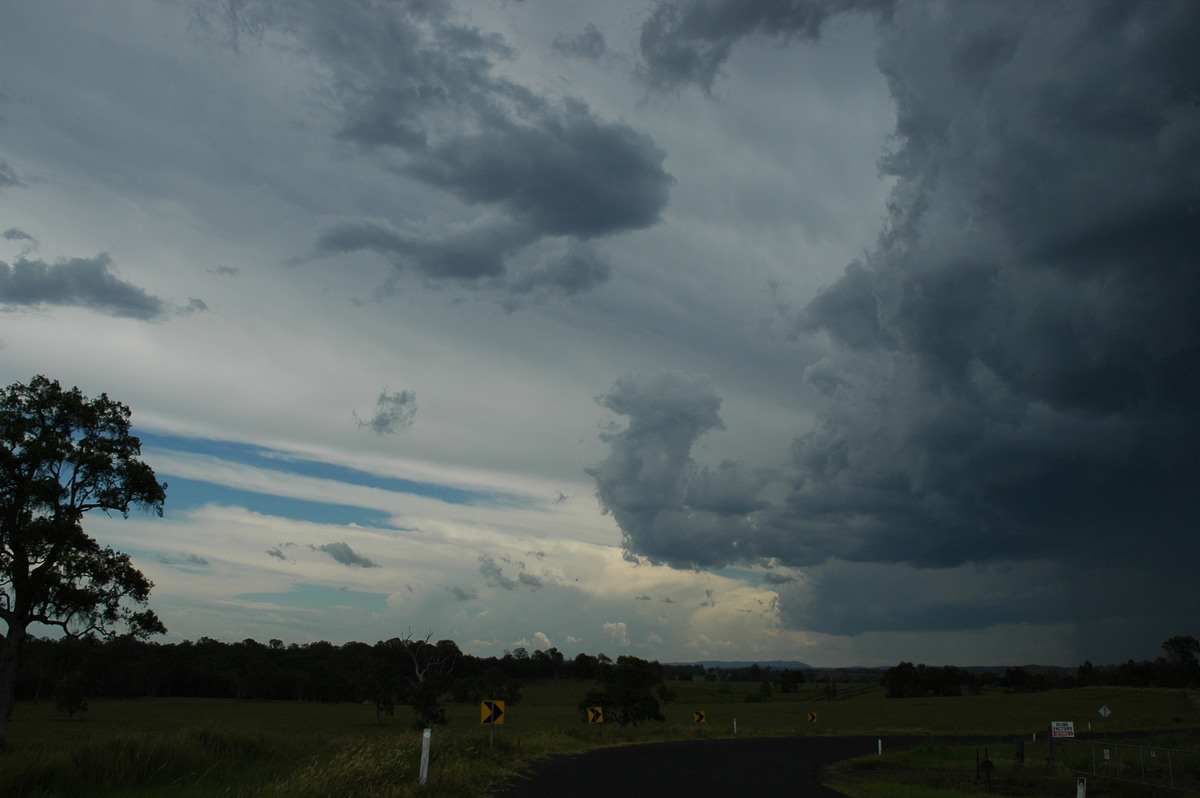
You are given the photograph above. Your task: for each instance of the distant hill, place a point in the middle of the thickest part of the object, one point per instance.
(774, 664)
(857, 673)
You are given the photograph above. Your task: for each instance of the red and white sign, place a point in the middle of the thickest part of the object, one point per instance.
(1062, 728)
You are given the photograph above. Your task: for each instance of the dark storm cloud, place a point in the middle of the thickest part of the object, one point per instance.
(566, 272)
(468, 254)
(1023, 344)
(687, 41)
(394, 412)
(82, 282)
(849, 598)
(649, 480)
(342, 553)
(416, 89)
(1017, 363)
(568, 173)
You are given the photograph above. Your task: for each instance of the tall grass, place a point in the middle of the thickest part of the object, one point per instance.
(133, 763)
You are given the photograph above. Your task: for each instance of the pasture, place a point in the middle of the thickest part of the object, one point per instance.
(202, 747)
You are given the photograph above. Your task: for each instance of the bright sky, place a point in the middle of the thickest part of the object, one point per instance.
(834, 331)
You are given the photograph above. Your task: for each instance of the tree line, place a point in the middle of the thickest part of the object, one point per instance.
(127, 667)
(408, 671)
(1178, 667)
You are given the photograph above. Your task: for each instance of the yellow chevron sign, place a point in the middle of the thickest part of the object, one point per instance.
(491, 713)
(595, 714)
(699, 717)
(812, 717)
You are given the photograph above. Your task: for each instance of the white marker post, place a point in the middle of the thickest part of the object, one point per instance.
(425, 756)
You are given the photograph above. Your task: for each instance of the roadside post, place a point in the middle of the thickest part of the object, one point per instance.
(424, 756)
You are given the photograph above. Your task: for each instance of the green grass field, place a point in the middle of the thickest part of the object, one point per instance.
(196, 747)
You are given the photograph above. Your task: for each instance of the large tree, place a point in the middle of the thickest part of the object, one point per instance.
(627, 690)
(62, 455)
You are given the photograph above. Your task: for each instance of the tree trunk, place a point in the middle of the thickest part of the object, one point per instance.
(10, 648)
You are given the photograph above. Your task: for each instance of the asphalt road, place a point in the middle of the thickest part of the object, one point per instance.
(771, 767)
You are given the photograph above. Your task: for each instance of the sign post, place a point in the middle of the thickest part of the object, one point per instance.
(491, 714)
(595, 717)
(1060, 729)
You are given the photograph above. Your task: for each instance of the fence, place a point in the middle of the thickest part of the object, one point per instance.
(1172, 768)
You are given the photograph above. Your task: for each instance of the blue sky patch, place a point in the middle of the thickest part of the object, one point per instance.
(188, 494)
(262, 457)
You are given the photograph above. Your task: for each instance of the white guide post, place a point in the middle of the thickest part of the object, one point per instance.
(425, 756)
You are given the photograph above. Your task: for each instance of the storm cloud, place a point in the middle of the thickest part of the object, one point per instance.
(1032, 378)
(419, 92)
(687, 41)
(669, 507)
(1016, 363)
(81, 282)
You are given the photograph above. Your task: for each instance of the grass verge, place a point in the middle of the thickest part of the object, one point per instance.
(194, 748)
